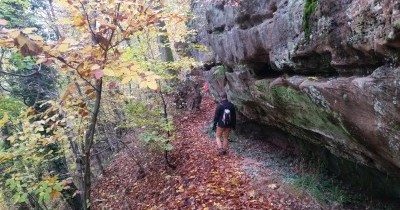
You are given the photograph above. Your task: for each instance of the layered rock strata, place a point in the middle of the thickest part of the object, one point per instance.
(324, 71)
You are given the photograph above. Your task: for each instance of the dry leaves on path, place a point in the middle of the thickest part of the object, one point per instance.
(202, 180)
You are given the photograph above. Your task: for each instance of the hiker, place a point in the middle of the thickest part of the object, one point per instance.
(206, 90)
(187, 75)
(224, 122)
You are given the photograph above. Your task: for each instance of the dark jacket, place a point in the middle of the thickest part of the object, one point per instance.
(225, 104)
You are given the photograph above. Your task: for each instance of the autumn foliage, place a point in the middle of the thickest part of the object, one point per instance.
(93, 49)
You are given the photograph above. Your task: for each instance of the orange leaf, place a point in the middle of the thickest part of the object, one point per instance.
(27, 46)
(108, 25)
(54, 194)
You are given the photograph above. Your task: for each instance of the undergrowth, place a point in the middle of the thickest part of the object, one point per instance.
(313, 178)
(324, 189)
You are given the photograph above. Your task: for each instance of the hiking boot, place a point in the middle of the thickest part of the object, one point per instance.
(224, 151)
(220, 152)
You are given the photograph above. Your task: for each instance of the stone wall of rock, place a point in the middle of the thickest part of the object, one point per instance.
(324, 71)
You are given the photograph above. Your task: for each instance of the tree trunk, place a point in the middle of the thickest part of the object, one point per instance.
(53, 18)
(164, 44)
(88, 144)
(166, 121)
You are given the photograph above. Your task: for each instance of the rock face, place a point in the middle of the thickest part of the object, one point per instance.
(324, 71)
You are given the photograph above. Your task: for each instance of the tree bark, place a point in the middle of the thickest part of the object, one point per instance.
(168, 133)
(89, 142)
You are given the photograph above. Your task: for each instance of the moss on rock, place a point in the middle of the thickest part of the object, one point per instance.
(301, 111)
(309, 9)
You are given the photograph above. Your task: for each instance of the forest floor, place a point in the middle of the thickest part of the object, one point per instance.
(253, 175)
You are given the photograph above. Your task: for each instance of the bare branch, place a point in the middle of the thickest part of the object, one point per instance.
(18, 75)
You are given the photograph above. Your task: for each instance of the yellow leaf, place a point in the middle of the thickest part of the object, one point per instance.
(14, 33)
(70, 41)
(11, 139)
(3, 22)
(6, 42)
(313, 78)
(109, 72)
(95, 67)
(180, 189)
(63, 47)
(152, 85)
(35, 37)
(41, 60)
(52, 180)
(64, 21)
(87, 50)
(143, 84)
(5, 157)
(28, 30)
(118, 72)
(126, 80)
(4, 120)
(79, 20)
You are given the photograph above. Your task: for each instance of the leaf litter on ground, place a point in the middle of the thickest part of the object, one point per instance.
(202, 180)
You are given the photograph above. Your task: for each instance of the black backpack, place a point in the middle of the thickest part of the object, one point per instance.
(226, 117)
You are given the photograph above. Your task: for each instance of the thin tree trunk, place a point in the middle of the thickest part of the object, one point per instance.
(168, 133)
(89, 142)
(53, 18)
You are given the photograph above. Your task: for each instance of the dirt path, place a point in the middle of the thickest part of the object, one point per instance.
(202, 180)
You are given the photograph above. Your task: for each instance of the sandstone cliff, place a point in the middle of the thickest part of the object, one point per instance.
(324, 71)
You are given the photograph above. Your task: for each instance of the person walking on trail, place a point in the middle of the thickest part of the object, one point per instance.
(224, 122)
(206, 90)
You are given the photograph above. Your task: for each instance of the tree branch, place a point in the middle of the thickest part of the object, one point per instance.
(18, 75)
(74, 68)
(90, 26)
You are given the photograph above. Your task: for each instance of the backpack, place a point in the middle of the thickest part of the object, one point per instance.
(226, 117)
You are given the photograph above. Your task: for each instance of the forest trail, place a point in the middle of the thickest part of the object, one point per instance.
(202, 180)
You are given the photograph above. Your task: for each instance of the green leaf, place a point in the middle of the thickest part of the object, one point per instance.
(4, 120)
(58, 187)
(23, 198)
(219, 72)
(46, 196)
(41, 197)
(168, 147)
(16, 197)
(312, 78)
